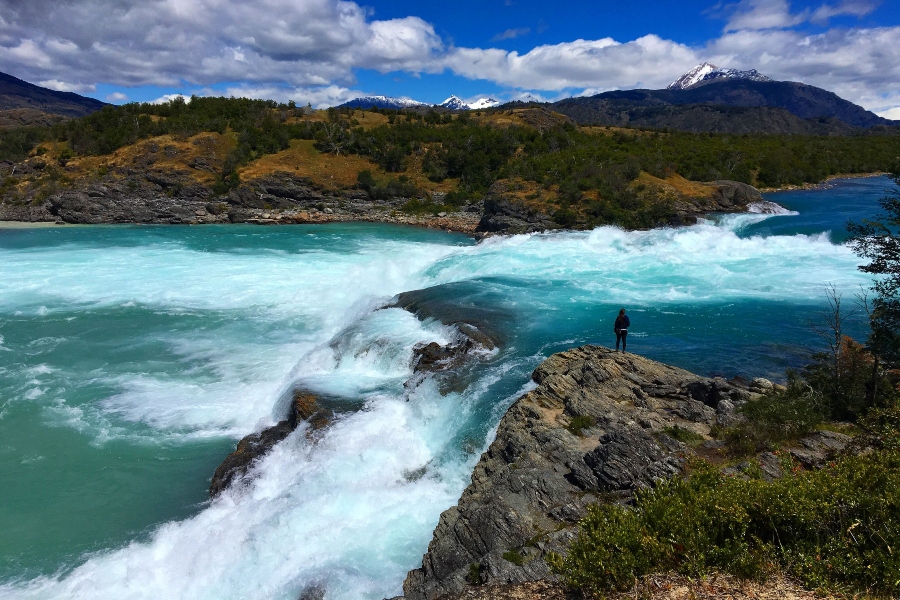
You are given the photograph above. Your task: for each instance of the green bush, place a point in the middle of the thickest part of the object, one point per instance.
(514, 557)
(782, 414)
(683, 435)
(577, 424)
(831, 528)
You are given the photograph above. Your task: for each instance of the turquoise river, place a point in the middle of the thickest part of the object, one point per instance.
(132, 358)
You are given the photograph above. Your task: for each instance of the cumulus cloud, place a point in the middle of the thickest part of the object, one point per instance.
(117, 97)
(64, 86)
(861, 65)
(601, 64)
(165, 99)
(777, 14)
(202, 42)
(318, 97)
(307, 50)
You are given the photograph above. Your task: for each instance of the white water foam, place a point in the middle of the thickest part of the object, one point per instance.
(353, 512)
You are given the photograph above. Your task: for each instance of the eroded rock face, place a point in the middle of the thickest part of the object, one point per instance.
(595, 426)
(304, 408)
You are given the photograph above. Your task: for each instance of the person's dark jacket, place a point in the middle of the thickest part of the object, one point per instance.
(622, 322)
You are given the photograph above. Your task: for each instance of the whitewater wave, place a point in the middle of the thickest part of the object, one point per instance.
(343, 512)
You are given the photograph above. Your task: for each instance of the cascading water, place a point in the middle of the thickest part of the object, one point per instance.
(132, 358)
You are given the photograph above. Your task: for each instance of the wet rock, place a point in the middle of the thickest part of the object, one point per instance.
(304, 408)
(314, 592)
(732, 195)
(539, 474)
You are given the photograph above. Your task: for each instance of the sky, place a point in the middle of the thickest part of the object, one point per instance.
(325, 52)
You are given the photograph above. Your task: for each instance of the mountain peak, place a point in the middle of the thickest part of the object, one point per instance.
(454, 103)
(457, 103)
(365, 102)
(707, 72)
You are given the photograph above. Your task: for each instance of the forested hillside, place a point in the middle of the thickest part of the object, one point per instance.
(597, 174)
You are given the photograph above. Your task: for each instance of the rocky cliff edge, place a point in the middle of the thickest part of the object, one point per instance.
(596, 428)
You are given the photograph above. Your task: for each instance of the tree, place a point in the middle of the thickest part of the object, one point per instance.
(878, 241)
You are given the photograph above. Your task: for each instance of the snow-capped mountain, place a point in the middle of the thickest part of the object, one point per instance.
(709, 72)
(454, 103)
(484, 103)
(382, 102)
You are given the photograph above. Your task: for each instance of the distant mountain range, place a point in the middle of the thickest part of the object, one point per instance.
(710, 99)
(451, 103)
(705, 99)
(18, 94)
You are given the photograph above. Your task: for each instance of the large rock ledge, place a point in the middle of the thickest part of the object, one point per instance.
(594, 428)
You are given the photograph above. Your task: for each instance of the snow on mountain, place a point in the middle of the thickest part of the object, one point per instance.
(710, 72)
(484, 103)
(454, 103)
(382, 102)
(693, 76)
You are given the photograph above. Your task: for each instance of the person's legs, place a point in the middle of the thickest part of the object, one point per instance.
(619, 338)
(624, 337)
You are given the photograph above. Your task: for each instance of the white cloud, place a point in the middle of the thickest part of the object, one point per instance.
(601, 64)
(318, 97)
(861, 65)
(64, 86)
(117, 97)
(307, 50)
(762, 14)
(893, 113)
(776, 14)
(203, 42)
(169, 97)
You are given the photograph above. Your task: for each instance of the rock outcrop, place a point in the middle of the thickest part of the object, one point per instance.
(596, 427)
(151, 195)
(504, 213)
(304, 408)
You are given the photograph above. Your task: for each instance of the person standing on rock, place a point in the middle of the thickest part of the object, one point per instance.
(621, 329)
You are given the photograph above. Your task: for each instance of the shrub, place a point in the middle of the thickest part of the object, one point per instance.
(685, 436)
(514, 557)
(577, 424)
(779, 415)
(833, 527)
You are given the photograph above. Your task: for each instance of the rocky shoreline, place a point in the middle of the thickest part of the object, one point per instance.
(129, 195)
(599, 426)
(822, 184)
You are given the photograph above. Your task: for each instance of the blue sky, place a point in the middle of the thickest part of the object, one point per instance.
(328, 51)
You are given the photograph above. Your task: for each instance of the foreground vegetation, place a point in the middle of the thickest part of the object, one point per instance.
(835, 528)
(591, 172)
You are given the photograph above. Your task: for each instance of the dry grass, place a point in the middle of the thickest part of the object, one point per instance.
(327, 170)
(675, 186)
(367, 119)
(172, 154)
(656, 587)
(335, 172)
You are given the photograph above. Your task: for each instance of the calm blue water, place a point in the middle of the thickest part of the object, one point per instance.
(132, 358)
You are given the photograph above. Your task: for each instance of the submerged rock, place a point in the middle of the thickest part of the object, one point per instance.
(304, 408)
(594, 427)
